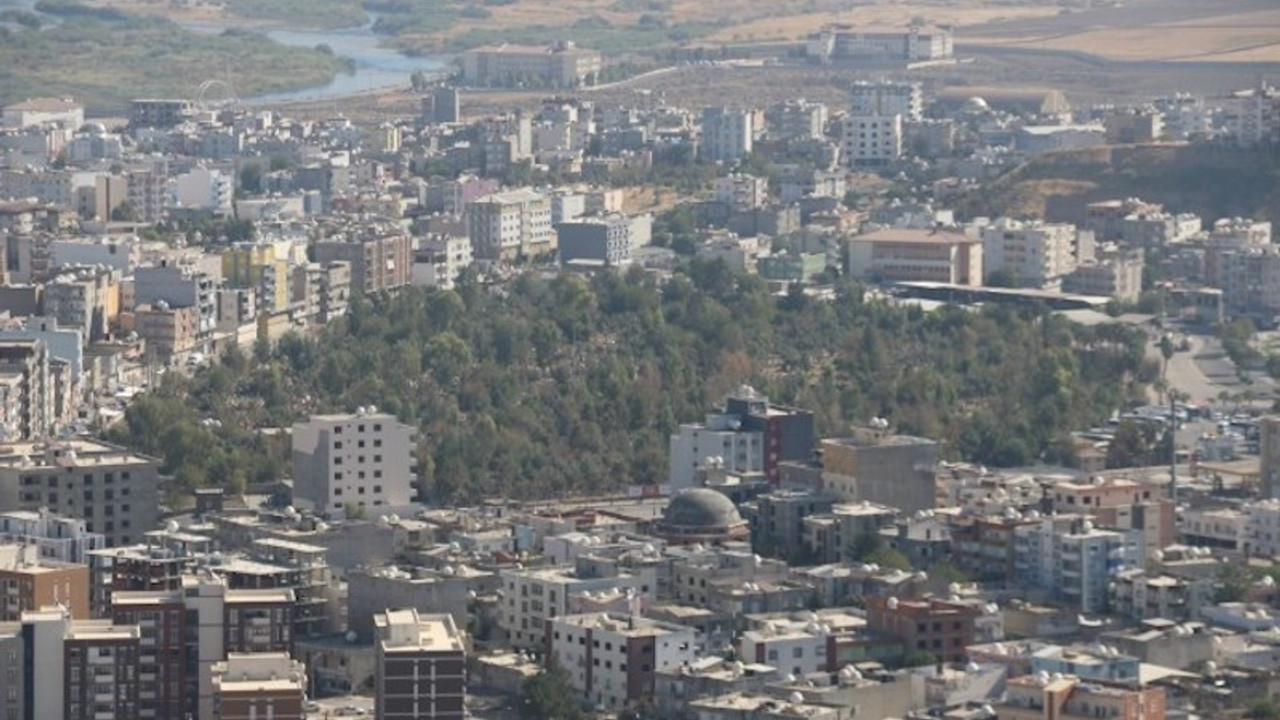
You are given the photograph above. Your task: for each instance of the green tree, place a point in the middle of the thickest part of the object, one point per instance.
(887, 557)
(548, 696)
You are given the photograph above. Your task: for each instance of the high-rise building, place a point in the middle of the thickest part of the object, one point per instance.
(113, 490)
(445, 105)
(55, 537)
(361, 460)
(258, 267)
(727, 135)
(250, 686)
(871, 140)
(378, 261)
(612, 659)
(879, 466)
(510, 225)
(26, 393)
(886, 98)
(1037, 254)
(1269, 456)
(79, 669)
(421, 667)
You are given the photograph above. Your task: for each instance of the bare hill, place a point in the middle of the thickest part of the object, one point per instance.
(1211, 181)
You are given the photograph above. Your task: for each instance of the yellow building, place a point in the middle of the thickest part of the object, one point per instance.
(260, 267)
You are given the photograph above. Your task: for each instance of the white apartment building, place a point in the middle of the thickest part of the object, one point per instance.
(531, 597)
(720, 441)
(1251, 115)
(360, 460)
(1034, 252)
(1261, 528)
(57, 538)
(611, 659)
(870, 140)
(886, 98)
(202, 189)
(1074, 560)
(1213, 527)
(510, 225)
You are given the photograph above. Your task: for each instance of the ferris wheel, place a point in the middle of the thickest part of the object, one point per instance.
(214, 94)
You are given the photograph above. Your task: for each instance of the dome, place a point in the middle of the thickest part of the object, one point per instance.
(701, 509)
(93, 128)
(975, 105)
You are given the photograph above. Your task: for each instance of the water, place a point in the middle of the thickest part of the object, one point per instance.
(373, 67)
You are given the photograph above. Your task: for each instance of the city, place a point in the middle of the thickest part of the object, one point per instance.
(558, 396)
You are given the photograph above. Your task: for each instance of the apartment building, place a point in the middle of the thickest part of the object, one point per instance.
(77, 669)
(27, 389)
(1034, 253)
(378, 260)
(838, 534)
(179, 287)
(84, 298)
(1119, 278)
(726, 134)
(1071, 559)
(879, 466)
(600, 239)
(171, 333)
(28, 583)
(885, 98)
(252, 686)
(113, 490)
(1139, 595)
(421, 667)
(510, 225)
(742, 192)
(938, 627)
(906, 255)
(532, 597)
(870, 140)
(612, 659)
(258, 266)
(54, 537)
(360, 460)
(747, 434)
(796, 120)
(1119, 503)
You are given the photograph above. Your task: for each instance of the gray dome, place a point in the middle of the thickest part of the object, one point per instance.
(701, 508)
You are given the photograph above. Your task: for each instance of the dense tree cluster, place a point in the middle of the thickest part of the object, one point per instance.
(550, 385)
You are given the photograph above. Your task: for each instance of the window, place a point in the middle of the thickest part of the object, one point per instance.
(377, 427)
(797, 652)
(337, 444)
(377, 488)
(360, 444)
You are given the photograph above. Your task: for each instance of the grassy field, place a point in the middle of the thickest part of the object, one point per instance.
(103, 62)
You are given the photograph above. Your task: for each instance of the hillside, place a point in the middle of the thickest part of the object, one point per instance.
(1211, 181)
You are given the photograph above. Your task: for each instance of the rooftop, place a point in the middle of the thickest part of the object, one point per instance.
(406, 630)
(909, 235)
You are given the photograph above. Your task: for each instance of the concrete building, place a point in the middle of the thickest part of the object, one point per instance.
(202, 189)
(940, 628)
(113, 490)
(170, 333)
(1035, 140)
(1119, 503)
(1036, 254)
(1252, 115)
(726, 135)
(885, 98)
(65, 112)
(28, 583)
(258, 267)
(1119, 278)
(440, 259)
(1070, 698)
(747, 435)
(742, 192)
(421, 667)
(870, 140)
(179, 288)
(604, 239)
(54, 537)
(510, 225)
(875, 465)
(360, 460)
(249, 686)
(839, 534)
(1138, 595)
(894, 46)
(377, 260)
(27, 392)
(84, 298)
(796, 120)
(612, 659)
(562, 65)
(1074, 561)
(896, 255)
(532, 597)
(445, 105)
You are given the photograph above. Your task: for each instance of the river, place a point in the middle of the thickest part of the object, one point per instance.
(374, 67)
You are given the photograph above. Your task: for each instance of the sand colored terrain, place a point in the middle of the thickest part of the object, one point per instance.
(796, 27)
(1239, 37)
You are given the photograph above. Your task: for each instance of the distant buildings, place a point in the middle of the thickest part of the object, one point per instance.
(612, 660)
(895, 255)
(880, 46)
(378, 260)
(877, 466)
(247, 686)
(510, 225)
(562, 65)
(726, 134)
(359, 461)
(747, 435)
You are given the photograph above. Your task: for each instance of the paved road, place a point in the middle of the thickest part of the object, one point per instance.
(1201, 372)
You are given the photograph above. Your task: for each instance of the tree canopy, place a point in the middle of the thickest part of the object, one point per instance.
(551, 385)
